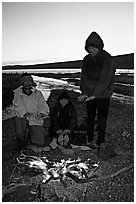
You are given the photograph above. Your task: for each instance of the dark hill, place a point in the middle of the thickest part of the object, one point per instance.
(124, 61)
(120, 62)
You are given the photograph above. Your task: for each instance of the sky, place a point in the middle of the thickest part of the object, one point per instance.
(44, 32)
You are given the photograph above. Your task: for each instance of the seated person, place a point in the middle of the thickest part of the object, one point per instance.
(63, 120)
(30, 108)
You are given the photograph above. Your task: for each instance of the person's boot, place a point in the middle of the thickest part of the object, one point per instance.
(101, 149)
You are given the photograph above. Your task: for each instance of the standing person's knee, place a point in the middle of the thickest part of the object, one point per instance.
(102, 121)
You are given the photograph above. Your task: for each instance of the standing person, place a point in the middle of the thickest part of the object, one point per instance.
(97, 84)
(63, 119)
(30, 108)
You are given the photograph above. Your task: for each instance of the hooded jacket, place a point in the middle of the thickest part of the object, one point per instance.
(33, 104)
(63, 117)
(98, 72)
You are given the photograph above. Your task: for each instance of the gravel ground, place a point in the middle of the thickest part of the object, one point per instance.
(118, 155)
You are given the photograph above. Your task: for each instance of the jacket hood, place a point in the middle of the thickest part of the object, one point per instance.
(19, 91)
(63, 95)
(94, 40)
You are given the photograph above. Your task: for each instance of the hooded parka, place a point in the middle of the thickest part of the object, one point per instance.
(97, 77)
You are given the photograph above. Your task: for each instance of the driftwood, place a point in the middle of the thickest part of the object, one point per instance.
(107, 177)
(13, 187)
(116, 173)
(100, 177)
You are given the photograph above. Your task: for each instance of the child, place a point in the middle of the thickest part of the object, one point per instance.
(63, 120)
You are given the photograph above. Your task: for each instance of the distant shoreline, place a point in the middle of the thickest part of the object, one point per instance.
(62, 68)
(76, 71)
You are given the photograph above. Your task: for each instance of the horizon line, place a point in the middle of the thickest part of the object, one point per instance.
(47, 62)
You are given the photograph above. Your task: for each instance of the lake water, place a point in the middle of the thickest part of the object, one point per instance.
(61, 71)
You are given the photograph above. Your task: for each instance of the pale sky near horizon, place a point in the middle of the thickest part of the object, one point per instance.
(42, 32)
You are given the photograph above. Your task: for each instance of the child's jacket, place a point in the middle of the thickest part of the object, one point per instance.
(63, 117)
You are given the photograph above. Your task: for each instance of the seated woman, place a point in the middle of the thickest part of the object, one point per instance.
(63, 120)
(30, 108)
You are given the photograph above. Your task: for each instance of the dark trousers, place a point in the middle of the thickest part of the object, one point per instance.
(26, 133)
(101, 107)
(21, 129)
